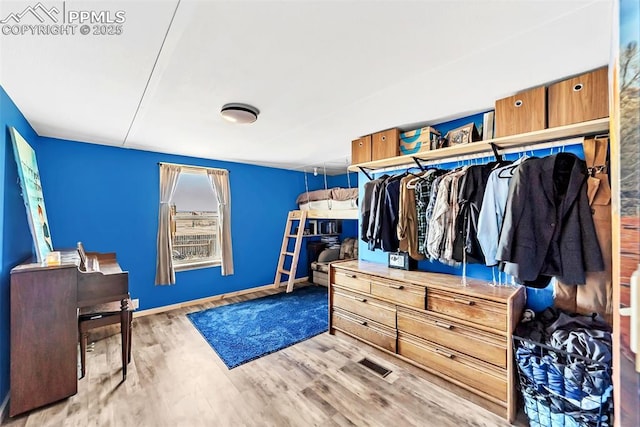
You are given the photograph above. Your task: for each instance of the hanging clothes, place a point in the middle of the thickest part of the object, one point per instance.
(407, 217)
(389, 214)
(365, 209)
(548, 229)
(373, 228)
(492, 210)
(437, 222)
(472, 188)
(596, 295)
(424, 190)
(453, 212)
(441, 224)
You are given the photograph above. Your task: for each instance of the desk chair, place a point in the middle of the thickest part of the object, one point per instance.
(104, 315)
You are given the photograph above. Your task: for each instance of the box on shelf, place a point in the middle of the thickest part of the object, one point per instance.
(579, 99)
(361, 150)
(463, 135)
(487, 125)
(385, 144)
(521, 113)
(418, 140)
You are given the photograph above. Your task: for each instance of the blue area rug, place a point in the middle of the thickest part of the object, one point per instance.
(247, 330)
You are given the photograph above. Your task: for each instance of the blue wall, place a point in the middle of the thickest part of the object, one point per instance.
(16, 244)
(107, 197)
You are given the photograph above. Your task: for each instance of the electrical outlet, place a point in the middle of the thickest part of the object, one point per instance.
(135, 303)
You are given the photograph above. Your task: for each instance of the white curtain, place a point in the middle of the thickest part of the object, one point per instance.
(165, 275)
(220, 182)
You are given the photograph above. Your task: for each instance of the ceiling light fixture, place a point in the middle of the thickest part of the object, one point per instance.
(239, 113)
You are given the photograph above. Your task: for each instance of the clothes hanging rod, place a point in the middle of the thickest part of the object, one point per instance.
(483, 154)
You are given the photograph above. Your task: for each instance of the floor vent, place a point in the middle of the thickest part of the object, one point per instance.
(380, 370)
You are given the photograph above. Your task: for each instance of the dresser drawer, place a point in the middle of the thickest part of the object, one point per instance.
(479, 376)
(365, 306)
(368, 330)
(473, 342)
(400, 292)
(351, 280)
(476, 310)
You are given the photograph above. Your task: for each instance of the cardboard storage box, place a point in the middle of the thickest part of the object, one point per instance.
(418, 140)
(463, 135)
(385, 144)
(361, 150)
(521, 113)
(579, 99)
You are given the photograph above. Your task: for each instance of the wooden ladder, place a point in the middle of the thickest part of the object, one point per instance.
(301, 218)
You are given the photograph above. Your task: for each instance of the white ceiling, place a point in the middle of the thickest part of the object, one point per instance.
(321, 72)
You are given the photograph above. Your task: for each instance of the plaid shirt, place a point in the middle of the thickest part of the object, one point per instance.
(422, 195)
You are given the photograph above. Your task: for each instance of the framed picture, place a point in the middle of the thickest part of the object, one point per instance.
(463, 135)
(402, 261)
(32, 194)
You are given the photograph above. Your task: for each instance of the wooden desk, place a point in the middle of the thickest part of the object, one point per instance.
(44, 324)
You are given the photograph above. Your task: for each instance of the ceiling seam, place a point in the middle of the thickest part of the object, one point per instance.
(155, 63)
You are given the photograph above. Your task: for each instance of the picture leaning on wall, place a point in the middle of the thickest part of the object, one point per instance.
(32, 194)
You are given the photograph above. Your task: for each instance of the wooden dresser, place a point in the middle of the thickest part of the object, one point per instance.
(459, 333)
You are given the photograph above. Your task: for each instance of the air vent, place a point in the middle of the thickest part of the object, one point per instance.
(380, 370)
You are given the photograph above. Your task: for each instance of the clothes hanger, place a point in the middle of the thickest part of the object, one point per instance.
(509, 169)
(411, 183)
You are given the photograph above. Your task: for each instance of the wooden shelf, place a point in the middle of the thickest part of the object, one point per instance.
(562, 132)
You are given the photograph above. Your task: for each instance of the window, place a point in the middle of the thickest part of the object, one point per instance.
(194, 214)
(194, 220)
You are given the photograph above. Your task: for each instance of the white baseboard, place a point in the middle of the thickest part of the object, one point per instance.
(170, 307)
(4, 407)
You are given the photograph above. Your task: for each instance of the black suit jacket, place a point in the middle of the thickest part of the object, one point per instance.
(548, 229)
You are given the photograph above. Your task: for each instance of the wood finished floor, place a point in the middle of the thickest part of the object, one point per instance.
(176, 379)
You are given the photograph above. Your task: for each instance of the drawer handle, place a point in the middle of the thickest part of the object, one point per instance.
(444, 353)
(444, 325)
(360, 299)
(351, 276)
(463, 301)
(363, 323)
(396, 286)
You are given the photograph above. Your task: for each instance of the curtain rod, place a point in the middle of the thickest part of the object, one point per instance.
(193, 166)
